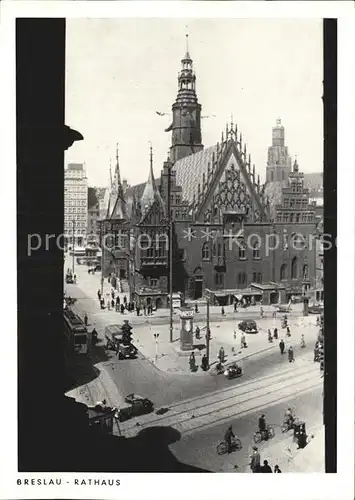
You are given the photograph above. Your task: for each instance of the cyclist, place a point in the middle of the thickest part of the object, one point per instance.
(228, 437)
(289, 417)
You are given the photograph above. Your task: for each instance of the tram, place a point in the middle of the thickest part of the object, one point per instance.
(75, 332)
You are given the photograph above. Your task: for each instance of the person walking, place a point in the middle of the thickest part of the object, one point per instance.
(145, 310)
(221, 355)
(261, 312)
(269, 336)
(235, 306)
(276, 335)
(266, 467)
(196, 308)
(122, 309)
(192, 362)
(288, 332)
(222, 311)
(113, 304)
(108, 305)
(243, 343)
(277, 469)
(204, 363)
(99, 294)
(282, 346)
(255, 460)
(125, 299)
(291, 357)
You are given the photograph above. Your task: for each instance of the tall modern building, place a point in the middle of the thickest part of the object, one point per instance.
(75, 204)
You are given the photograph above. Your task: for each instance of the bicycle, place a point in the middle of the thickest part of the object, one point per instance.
(222, 446)
(260, 436)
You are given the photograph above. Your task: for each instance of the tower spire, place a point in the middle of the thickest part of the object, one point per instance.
(187, 55)
(151, 192)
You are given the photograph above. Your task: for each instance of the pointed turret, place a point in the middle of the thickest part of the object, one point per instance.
(295, 166)
(151, 193)
(119, 205)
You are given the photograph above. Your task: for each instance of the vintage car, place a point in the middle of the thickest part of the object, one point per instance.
(127, 351)
(248, 326)
(316, 309)
(135, 405)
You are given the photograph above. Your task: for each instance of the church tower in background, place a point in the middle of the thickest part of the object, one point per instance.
(279, 164)
(186, 125)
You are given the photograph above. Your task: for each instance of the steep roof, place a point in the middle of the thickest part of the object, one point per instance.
(190, 170)
(150, 194)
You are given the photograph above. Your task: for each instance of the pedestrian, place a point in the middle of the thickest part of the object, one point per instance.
(74, 278)
(277, 469)
(125, 299)
(243, 343)
(108, 304)
(86, 320)
(288, 333)
(291, 357)
(222, 311)
(117, 300)
(235, 306)
(99, 294)
(192, 362)
(266, 467)
(276, 335)
(113, 304)
(145, 310)
(102, 303)
(113, 294)
(122, 309)
(138, 310)
(282, 346)
(261, 312)
(269, 336)
(255, 460)
(204, 363)
(221, 355)
(196, 308)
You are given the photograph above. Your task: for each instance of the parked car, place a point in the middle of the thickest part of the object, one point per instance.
(248, 326)
(316, 309)
(135, 406)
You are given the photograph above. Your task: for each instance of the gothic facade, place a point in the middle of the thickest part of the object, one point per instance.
(209, 215)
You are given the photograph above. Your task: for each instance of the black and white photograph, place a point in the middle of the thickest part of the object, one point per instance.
(176, 253)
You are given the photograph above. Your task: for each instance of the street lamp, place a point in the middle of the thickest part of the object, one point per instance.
(73, 245)
(156, 336)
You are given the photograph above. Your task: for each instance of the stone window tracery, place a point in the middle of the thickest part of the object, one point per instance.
(206, 251)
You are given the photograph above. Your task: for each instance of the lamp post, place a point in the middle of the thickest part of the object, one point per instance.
(102, 258)
(170, 219)
(156, 336)
(73, 245)
(208, 331)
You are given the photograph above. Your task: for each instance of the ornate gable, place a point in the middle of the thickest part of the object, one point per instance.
(231, 186)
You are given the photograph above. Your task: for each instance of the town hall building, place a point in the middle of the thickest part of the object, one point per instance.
(231, 236)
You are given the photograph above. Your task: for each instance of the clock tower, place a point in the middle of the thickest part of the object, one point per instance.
(186, 126)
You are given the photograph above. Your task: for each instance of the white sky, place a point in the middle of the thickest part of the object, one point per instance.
(119, 72)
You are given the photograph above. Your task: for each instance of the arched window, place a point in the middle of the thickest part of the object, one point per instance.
(206, 251)
(283, 272)
(256, 250)
(241, 251)
(294, 268)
